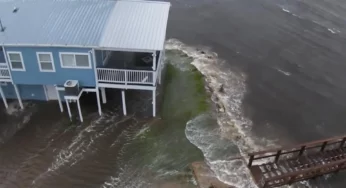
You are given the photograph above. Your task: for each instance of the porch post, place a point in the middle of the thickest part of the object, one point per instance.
(59, 99)
(68, 109)
(3, 97)
(98, 101)
(79, 111)
(103, 94)
(124, 102)
(18, 96)
(154, 60)
(154, 102)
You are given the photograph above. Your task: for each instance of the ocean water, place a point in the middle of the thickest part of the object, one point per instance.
(280, 65)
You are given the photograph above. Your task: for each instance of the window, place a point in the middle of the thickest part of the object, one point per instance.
(16, 61)
(45, 61)
(78, 60)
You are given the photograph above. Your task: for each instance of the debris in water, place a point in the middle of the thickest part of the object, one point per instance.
(221, 88)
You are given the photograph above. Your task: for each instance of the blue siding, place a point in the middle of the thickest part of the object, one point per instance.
(9, 91)
(27, 92)
(33, 76)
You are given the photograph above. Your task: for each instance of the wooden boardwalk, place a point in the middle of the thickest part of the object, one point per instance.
(293, 164)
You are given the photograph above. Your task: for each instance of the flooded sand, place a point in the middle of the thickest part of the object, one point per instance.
(280, 65)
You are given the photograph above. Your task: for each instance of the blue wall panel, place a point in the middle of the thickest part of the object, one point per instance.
(9, 91)
(32, 92)
(33, 76)
(27, 92)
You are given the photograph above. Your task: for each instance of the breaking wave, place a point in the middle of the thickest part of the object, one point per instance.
(233, 133)
(224, 146)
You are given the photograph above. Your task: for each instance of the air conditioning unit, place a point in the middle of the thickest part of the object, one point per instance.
(71, 88)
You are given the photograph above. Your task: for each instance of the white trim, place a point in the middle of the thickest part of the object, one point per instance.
(5, 80)
(80, 111)
(124, 102)
(127, 49)
(74, 53)
(68, 109)
(18, 96)
(154, 103)
(3, 97)
(103, 94)
(47, 45)
(154, 61)
(122, 86)
(45, 92)
(21, 58)
(93, 53)
(81, 46)
(98, 102)
(39, 62)
(59, 98)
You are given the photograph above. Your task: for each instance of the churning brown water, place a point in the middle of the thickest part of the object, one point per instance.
(52, 152)
(40, 147)
(291, 54)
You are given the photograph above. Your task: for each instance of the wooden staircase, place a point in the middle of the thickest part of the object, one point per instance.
(293, 164)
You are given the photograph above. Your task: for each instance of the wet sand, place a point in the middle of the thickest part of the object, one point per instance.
(205, 177)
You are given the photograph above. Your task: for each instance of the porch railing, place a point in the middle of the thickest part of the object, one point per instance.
(124, 76)
(4, 72)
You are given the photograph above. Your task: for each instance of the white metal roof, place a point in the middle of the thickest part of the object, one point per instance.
(122, 25)
(139, 25)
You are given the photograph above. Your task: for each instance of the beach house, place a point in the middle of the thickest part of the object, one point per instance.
(60, 49)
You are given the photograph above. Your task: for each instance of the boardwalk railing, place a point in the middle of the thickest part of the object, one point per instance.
(123, 76)
(296, 151)
(4, 72)
(292, 164)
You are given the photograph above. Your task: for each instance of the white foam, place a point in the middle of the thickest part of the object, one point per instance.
(14, 108)
(334, 30)
(217, 73)
(285, 10)
(234, 127)
(82, 144)
(284, 72)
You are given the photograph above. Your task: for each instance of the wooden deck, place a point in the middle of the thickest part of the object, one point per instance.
(302, 162)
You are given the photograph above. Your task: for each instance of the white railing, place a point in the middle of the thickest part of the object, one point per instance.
(124, 76)
(4, 72)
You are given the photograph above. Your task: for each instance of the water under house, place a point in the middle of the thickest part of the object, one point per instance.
(59, 49)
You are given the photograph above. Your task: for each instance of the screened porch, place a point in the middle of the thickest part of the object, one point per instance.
(120, 67)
